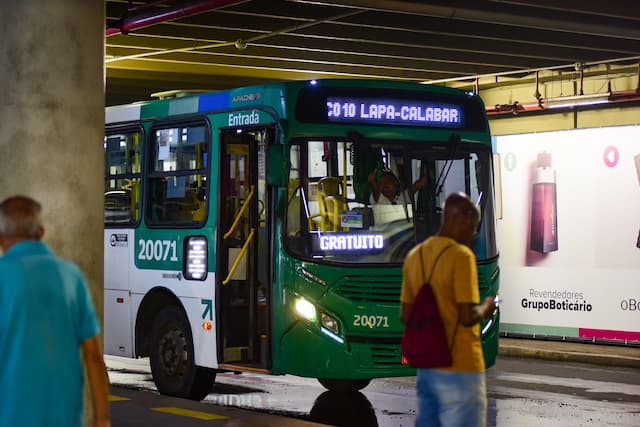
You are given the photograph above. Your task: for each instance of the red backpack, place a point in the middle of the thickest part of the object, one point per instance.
(424, 342)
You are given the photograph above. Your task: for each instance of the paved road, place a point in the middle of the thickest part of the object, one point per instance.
(142, 408)
(529, 392)
(522, 392)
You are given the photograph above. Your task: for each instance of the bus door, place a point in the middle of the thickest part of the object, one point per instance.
(243, 286)
(121, 217)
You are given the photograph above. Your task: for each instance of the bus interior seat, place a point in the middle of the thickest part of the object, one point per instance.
(331, 202)
(187, 208)
(195, 200)
(117, 206)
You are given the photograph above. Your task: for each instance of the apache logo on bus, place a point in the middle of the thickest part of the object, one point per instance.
(247, 97)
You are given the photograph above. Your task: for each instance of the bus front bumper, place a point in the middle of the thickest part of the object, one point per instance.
(307, 352)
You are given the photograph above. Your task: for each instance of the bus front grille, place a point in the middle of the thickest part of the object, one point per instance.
(369, 289)
(385, 355)
(377, 351)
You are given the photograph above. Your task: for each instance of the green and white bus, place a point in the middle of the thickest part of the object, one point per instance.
(240, 233)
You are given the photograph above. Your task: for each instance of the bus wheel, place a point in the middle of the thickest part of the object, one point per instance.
(172, 358)
(343, 386)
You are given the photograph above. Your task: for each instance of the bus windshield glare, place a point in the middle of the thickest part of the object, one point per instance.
(333, 214)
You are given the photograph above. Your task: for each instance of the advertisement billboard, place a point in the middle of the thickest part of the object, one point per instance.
(569, 238)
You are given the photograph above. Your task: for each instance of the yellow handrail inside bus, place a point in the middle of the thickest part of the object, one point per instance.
(344, 170)
(239, 257)
(240, 212)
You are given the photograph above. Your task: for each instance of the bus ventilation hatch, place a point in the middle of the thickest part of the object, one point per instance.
(369, 289)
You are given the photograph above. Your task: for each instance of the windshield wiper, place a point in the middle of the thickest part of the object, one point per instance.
(454, 142)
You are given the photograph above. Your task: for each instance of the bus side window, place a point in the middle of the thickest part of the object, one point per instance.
(122, 178)
(181, 205)
(121, 204)
(178, 178)
(117, 206)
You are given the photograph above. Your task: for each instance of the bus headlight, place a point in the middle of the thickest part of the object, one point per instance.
(305, 309)
(330, 323)
(195, 267)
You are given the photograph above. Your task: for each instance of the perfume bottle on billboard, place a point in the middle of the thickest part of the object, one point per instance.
(544, 215)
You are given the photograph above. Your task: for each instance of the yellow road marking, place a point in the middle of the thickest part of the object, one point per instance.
(113, 398)
(189, 413)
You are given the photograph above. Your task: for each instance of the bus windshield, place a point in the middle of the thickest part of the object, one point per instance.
(370, 202)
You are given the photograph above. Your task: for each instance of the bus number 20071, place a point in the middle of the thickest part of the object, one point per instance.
(157, 250)
(370, 321)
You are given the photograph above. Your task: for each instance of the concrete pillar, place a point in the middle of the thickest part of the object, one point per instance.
(52, 119)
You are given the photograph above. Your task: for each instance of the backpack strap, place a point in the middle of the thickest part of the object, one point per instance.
(433, 268)
(455, 331)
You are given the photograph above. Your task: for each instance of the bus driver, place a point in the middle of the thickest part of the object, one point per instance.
(386, 189)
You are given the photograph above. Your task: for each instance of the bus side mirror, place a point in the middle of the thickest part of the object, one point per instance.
(278, 165)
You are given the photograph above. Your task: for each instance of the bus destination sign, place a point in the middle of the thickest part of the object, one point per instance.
(393, 111)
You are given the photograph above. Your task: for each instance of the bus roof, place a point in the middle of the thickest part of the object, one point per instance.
(201, 103)
(247, 97)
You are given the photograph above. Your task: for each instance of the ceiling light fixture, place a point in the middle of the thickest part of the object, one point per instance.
(577, 100)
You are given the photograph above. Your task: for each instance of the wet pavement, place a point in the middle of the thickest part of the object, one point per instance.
(527, 392)
(139, 408)
(533, 383)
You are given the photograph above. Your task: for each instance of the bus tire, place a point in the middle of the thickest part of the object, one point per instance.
(343, 386)
(172, 358)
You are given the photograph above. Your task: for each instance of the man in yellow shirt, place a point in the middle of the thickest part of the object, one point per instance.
(455, 395)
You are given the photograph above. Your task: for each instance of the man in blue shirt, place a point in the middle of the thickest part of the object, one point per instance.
(47, 321)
